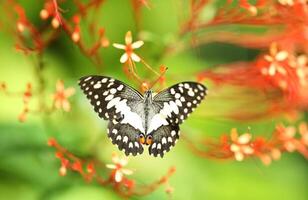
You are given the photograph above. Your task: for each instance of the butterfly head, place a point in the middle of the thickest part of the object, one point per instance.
(148, 96)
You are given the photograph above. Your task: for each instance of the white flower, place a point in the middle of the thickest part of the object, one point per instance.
(129, 48)
(118, 169)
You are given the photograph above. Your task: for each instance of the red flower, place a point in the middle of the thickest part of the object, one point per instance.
(61, 96)
(275, 58)
(241, 145)
(117, 167)
(287, 136)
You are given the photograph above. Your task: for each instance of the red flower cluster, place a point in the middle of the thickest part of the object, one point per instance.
(60, 99)
(40, 38)
(284, 139)
(117, 176)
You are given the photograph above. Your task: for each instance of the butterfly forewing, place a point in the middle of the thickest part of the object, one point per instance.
(113, 99)
(179, 100)
(109, 97)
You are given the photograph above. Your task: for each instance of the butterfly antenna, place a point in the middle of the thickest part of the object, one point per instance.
(159, 77)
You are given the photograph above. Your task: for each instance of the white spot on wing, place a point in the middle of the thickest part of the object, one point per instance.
(97, 86)
(200, 87)
(178, 102)
(125, 139)
(109, 97)
(113, 91)
(110, 84)
(119, 137)
(191, 93)
(120, 87)
(113, 102)
(181, 89)
(88, 78)
(173, 133)
(137, 144)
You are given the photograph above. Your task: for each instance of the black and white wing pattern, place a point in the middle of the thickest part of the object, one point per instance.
(173, 106)
(126, 137)
(118, 103)
(178, 101)
(164, 138)
(135, 119)
(110, 98)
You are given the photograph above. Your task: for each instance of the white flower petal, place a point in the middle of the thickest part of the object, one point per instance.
(281, 70)
(137, 44)
(66, 105)
(111, 166)
(118, 176)
(127, 171)
(123, 162)
(69, 92)
(60, 86)
(119, 46)
(281, 55)
(135, 57)
(124, 58)
(247, 149)
(268, 58)
(128, 37)
(239, 156)
(272, 69)
(234, 148)
(115, 159)
(244, 139)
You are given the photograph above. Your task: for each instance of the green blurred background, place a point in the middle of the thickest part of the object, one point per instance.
(28, 167)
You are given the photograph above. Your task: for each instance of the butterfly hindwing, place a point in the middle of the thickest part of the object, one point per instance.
(125, 136)
(163, 139)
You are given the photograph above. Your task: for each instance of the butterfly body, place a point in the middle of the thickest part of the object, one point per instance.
(136, 119)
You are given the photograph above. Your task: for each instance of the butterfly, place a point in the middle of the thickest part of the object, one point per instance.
(137, 119)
